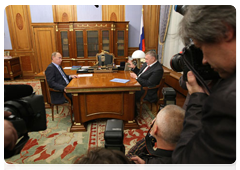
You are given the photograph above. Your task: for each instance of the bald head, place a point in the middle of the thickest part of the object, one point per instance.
(170, 123)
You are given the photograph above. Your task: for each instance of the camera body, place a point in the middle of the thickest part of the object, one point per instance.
(28, 113)
(190, 58)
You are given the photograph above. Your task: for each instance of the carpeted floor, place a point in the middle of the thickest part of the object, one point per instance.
(56, 145)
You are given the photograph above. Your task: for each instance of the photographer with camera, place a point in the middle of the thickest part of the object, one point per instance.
(24, 112)
(10, 133)
(209, 132)
(165, 131)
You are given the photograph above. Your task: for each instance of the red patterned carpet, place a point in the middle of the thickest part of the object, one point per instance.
(56, 145)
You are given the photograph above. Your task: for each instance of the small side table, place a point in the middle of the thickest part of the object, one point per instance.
(12, 68)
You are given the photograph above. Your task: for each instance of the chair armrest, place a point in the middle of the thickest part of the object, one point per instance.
(53, 90)
(151, 87)
(64, 93)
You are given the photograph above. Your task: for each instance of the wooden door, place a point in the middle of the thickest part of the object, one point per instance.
(44, 38)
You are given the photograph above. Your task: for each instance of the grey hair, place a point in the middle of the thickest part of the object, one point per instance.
(207, 23)
(152, 53)
(170, 123)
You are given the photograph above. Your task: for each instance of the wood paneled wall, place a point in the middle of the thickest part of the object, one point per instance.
(113, 12)
(64, 13)
(19, 20)
(151, 26)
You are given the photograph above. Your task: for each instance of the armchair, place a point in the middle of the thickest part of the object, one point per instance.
(104, 58)
(159, 94)
(69, 104)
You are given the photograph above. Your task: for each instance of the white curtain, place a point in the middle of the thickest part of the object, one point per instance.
(173, 43)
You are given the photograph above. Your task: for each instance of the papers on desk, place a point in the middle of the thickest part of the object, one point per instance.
(67, 68)
(85, 67)
(85, 75)
(117, 80)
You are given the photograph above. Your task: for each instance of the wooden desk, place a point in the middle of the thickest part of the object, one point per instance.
(96, 97)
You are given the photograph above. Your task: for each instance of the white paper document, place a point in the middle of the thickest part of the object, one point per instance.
(67, 68)
(117, 80)
(85, 75)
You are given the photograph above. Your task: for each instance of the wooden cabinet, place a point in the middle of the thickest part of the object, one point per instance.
(79, 42)
(12, 68)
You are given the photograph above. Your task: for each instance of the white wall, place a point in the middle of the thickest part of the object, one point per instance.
(173, 43)
(7, 39)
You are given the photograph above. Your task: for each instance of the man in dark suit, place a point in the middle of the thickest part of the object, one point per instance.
(148, 76)
(57, 78)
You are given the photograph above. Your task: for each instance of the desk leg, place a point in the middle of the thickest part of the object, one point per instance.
(131, 124)
(77, 125)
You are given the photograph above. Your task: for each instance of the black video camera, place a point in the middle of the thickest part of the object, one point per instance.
(28, 113)
(190, 58)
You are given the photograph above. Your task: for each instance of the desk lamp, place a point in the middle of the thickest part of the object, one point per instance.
(138, 54)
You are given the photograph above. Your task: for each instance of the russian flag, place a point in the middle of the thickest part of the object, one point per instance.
(141, 38)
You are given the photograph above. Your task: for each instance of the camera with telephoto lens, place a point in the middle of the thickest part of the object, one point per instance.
(28, 113)
(190, 58)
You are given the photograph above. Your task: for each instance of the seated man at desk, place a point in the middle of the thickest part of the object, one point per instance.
(148, 76)
(57, 78)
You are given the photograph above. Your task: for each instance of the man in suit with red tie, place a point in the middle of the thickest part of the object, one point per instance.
(57, 78)
(148, 76)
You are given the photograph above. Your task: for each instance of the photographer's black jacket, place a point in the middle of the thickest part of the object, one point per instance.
(161, 157)
(56, 81)
(209, 132)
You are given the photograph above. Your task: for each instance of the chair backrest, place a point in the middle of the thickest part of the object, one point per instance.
(161, 84)
(109, 58)
(47, 89)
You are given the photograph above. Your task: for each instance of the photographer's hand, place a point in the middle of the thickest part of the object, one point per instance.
(10, 133)
(192, 84)
(137, 160)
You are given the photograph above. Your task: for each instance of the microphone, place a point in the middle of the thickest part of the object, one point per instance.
(17, 91)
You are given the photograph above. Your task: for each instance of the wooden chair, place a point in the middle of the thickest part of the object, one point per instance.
(159, 94)
(69, 104)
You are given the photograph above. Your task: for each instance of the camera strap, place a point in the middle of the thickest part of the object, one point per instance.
(150, 142)
(17, 149)
(199, 78)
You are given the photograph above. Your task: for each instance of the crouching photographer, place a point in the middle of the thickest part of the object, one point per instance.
(209, 132)
(23, 112)
(165, 132)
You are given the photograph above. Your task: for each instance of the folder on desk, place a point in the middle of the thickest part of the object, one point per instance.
(76, 67)
(82, 70)
(117, 80)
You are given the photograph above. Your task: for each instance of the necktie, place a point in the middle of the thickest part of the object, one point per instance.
(63, 75)
(144, 71)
